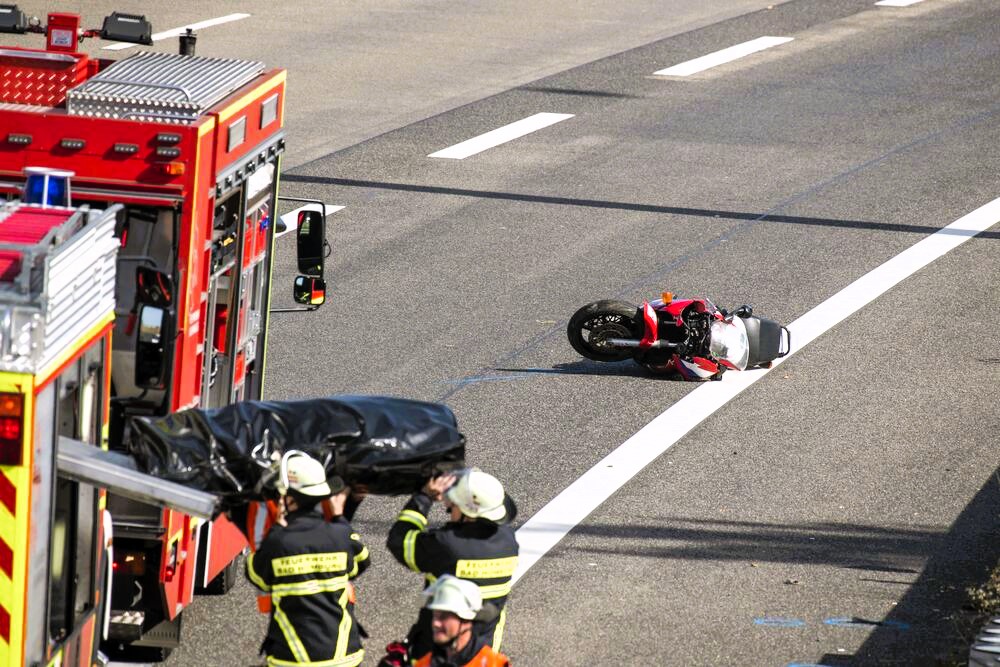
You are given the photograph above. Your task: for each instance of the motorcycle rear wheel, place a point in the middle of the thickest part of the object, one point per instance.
(596, 322)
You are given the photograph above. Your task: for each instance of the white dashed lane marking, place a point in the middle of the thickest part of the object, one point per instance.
(721, 57)
(564, 512)
(501, 135)
(175, 32)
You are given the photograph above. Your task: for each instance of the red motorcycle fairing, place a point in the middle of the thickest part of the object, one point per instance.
(652, 326)
(675, 309)
(705, 365)
(693, 368)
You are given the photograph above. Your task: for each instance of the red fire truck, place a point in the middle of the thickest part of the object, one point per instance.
(189, 149)
(57, 285)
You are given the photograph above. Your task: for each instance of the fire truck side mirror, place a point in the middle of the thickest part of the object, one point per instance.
(154, 347)
(311, 237)
(310, 291)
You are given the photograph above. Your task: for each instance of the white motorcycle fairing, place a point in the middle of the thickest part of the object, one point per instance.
(728, 343)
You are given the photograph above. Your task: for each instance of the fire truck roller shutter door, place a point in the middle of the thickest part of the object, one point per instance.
(73, 538)
(149, 242)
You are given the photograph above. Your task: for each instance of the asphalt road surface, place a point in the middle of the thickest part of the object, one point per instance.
(833, 512)
(359, 69)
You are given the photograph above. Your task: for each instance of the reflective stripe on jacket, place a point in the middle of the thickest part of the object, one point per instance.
(479, 551)
(306, 567)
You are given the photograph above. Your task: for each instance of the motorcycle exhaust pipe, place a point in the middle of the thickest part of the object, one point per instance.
(622, 342)
(631, 342)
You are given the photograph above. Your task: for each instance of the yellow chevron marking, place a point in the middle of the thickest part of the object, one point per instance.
(6, 590)
(7, 527)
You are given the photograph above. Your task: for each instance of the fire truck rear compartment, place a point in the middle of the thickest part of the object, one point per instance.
(175, 139)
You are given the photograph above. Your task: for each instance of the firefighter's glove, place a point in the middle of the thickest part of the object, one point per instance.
(397, 654)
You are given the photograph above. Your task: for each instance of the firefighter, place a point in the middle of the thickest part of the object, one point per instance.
(456, 608)
(306, 563)
(478, 545)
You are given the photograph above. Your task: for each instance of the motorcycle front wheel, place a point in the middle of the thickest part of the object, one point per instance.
(590, 328)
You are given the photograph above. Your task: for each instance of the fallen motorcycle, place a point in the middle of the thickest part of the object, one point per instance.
(690, 337)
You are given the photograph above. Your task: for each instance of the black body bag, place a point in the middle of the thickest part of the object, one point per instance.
(391, 445)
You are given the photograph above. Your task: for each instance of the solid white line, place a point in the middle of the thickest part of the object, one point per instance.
(501, 135)
(174, 32)
(721, 57)
(291, 219)
(546, 528)
(897, 3)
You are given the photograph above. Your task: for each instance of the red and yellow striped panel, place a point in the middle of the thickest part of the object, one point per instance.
(13, 547)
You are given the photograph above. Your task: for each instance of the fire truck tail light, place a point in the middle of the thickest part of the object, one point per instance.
(11, 405)
(19, 139)
(11, 409)
(168, 151)
(170, 567)
(10, 429)
(173, 168)
(73, 144)
(10, 452)
(126, 149)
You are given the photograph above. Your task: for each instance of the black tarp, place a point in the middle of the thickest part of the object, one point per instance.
(391, 445)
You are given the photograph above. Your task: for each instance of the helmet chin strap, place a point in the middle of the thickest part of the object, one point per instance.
(453, 644)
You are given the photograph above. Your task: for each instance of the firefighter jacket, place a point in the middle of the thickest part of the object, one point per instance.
(306, 567)
(476, 654)
(479, 551)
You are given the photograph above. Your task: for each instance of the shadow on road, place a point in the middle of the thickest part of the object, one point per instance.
(935, 568)
(933, 606)
(580, 92)
(625, 206)
(620, 369)
(896, 550)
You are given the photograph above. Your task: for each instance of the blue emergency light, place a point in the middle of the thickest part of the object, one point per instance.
(46, 187)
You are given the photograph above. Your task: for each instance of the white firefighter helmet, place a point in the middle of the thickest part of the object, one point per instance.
(304, 474)
(458, 596)
(478, 495)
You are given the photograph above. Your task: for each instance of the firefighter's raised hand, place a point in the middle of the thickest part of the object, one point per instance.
(338, 499)
(436, 486)
(359, 492)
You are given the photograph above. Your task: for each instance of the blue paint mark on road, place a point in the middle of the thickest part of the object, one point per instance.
(779, 622)
(854, 622)
(486, 378)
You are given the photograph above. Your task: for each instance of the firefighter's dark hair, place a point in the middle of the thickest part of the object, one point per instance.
(303, 501)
